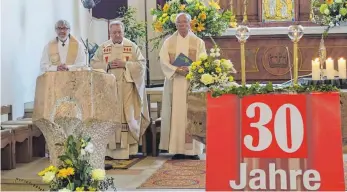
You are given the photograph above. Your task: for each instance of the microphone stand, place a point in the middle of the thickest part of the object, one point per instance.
(148, 80)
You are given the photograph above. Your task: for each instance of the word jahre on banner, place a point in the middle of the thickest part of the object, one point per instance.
(274, 142)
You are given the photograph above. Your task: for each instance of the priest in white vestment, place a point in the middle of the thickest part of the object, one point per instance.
(174, 110)
(123, 58)
(63, 53)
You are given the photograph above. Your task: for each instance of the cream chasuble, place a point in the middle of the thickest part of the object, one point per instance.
(54, 54)
(173, 135)
(131, 94)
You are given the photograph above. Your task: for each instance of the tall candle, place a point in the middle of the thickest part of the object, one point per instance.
(330, 68)
(315, 70)
(342, 68)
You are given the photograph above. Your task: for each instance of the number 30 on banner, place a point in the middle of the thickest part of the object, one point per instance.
(276, 130)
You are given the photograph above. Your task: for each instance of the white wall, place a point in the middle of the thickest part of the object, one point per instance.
(27, 25)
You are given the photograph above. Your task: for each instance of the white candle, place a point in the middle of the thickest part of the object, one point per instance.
(342, 68)
(315, 70)
(330, 68)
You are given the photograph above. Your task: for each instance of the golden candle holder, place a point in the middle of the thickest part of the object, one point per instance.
(295, 32)
(242, 34)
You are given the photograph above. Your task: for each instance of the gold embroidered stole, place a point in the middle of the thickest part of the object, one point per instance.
(54, 56)
(126, 55)
(193, 41)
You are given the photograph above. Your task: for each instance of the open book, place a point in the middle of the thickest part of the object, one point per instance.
(182, 61)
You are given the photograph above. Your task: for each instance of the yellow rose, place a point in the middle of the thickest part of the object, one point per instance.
(98, 174)
(198, 63)
(206, 79)
(201, 70)
(48, 177)
(217, 62)
(203, 56)
(218, 70)
(193, 67)
(231, 78)
(164, 15)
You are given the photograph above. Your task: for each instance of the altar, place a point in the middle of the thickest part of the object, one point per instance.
(269, 50)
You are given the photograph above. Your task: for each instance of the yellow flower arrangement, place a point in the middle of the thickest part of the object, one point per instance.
(207, 20)
(210, 71)
(76, 173)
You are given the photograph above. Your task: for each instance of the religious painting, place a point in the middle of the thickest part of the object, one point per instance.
(278, 10)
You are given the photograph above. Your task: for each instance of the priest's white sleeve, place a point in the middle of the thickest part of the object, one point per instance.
(168, 69)
(135, 68)
(97, 62)
(45, 63)
(81, 60)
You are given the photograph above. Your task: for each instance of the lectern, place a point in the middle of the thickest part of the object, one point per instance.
(76, 103)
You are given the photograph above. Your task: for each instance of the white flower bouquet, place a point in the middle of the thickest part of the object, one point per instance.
(332, 13)
(211, 72)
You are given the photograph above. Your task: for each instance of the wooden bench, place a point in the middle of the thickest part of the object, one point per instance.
(155, 96)
(38, 140)
(21, 141)
(7, 150)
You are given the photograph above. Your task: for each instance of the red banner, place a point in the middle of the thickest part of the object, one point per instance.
(274, 142)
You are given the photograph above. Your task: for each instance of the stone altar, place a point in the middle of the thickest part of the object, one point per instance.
(197, 103)
(78, 103)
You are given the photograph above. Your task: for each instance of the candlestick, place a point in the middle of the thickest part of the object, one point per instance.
(242, 34)
(295, 32)
(342, 68)
(330, 68)
(315, 70)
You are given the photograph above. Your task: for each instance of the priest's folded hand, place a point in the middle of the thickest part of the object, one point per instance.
(182, 71)
(62, 67)
(117, 64)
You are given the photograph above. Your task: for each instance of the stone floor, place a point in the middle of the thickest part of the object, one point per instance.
(125, 180)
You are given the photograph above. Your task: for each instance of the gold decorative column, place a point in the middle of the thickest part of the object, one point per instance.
(245, 18)
(295, 32)
(242, 34)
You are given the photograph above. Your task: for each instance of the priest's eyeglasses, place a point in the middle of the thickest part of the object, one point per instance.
(62, 28)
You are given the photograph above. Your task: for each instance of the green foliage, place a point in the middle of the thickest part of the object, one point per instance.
(256, 88)
(134, 30)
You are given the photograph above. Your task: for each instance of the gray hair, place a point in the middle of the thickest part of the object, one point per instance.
(62, 23)
(116, 23)
(189, 18)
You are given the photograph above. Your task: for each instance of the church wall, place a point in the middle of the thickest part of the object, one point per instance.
(26, 26)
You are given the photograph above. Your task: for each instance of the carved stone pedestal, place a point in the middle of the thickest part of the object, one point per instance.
(76, 103)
